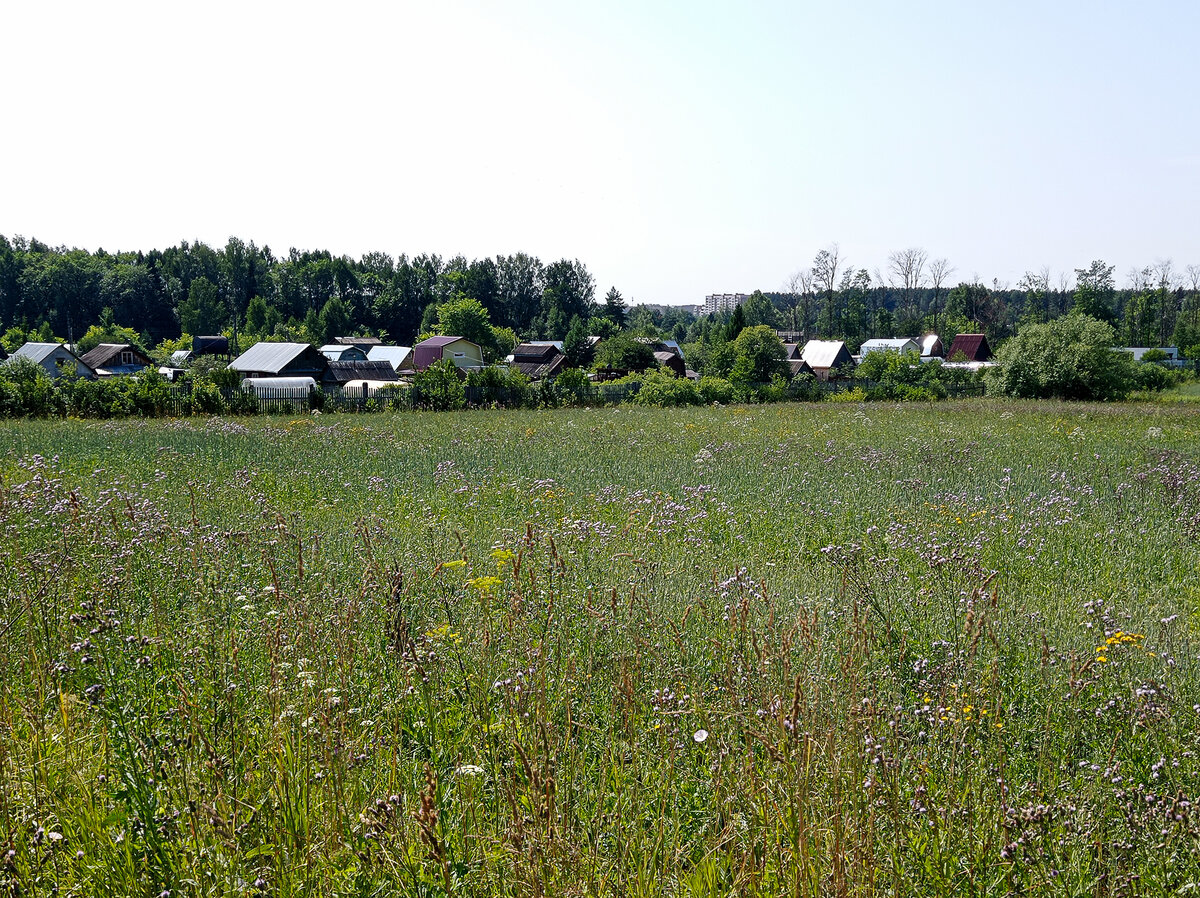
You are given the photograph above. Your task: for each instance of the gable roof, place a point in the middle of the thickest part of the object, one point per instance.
(270, 357)
(826, 354)
(931, 345)
(429, 351)
(889, 344)
(974, 346)
(38, 352)
(358, 341)
(108, 355)
(396, 356)
(343, 352)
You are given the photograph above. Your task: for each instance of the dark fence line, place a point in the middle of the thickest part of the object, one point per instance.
(181, 400)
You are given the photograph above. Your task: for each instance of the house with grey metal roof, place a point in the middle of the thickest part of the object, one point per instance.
(889, 344)
(280, 360)
(399, 357)
(55, 358)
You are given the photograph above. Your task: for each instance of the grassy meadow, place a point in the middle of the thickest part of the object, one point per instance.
(798, 649)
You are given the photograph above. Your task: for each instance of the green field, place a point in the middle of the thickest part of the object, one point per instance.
(795, 649)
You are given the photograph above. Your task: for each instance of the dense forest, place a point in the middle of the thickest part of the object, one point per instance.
(249, 292)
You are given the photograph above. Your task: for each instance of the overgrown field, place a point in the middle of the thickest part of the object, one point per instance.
(796, 649)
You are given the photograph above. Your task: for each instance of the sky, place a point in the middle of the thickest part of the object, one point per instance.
(677, 149)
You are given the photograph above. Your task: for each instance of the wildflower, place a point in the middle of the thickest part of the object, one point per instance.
(468, 770)
(484, 584)
(700, 735)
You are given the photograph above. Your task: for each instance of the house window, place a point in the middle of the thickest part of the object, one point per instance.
(127, 358)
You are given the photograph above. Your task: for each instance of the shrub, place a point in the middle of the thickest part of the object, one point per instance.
(715, 389)
(1069, 358)
(438, 388)
(666, 390)
(571, 388)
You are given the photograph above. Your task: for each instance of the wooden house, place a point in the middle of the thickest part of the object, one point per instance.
(462, 352)
(537, 360)
(116, 359)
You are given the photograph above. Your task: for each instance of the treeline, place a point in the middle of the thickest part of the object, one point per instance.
(192, 288)
(241, 289)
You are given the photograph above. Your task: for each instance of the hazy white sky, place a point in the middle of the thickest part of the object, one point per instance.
(676, 148)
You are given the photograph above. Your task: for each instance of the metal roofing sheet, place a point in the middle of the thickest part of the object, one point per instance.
(268, 356)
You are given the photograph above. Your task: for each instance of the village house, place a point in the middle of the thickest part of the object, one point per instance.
(280, 360)
(462, 352)
(969, 348)
(55, 359)
(889, 344)
(827, 358)
(339, 373)
(116, 359)
(931, 347)
(338, 352)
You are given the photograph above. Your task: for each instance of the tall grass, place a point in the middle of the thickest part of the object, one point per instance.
(757, 650)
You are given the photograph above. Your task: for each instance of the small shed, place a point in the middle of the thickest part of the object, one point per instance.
(799, 367)
(462, 352)
(280, 360)
(792, 351)
(55, 358)
(537, 360)
(931, 347)
(213, 344)
(116, 359)
(672, 361)
(971, 348)
(827, 357)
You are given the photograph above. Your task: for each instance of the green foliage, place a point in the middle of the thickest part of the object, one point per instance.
(575, 345)
(1068, 358)
(663, 389)
(203, 312)
(108, 331)
(758, 357)
(499, 387)
(715, 389)
(624, 353)
(438, 388)
(570, 388)
(463, 316)
(26, 391)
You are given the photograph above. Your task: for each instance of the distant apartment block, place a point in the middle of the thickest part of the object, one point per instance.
(723, 302)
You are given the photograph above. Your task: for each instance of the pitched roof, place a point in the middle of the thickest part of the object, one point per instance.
(358, 341)
(931, 345)
(38, 352)
(344, 372)
(429, 351)
(271, 357)
(799, 366)
(108, 355)
(892, 344)
(396, 356)
(340, 352)
(438, 341)
(536, 352)
(974, 346)
(826, 354)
